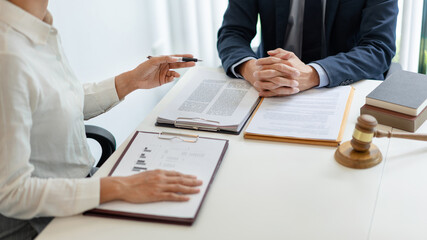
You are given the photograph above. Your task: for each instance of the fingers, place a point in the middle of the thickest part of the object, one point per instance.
(169, 76)
(173, 74)
(275, 51)
(174, 177)
(283, 69)
(157, 185)
(181, 65)
(282, 91)
(281, 51)
(267, 61)
(178, 188)
(172, 60)
(162, 59)
(184, 55)
(275, 76)
(276, 71)
(173, 197)
(275, 83)
(285, 56)
(186, 181)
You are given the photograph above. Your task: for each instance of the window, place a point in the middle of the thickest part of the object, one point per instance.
(422, 66)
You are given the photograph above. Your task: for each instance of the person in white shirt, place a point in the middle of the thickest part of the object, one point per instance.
(44, 156)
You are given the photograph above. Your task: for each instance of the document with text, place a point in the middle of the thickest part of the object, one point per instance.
(188, 154)
(316, 116)
(211, 101)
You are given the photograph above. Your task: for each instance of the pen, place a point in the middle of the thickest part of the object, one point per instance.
(184, 59)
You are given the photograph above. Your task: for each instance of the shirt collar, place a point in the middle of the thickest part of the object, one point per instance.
(34, 28)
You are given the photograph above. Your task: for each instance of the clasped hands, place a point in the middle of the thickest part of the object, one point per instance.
(280, 74)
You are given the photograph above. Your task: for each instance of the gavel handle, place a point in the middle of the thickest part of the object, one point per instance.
(389, 134)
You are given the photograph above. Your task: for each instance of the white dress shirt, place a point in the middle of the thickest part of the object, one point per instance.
(44, 155)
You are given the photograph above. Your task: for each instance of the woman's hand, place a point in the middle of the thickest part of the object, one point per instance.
(152, 73)
(150, 186)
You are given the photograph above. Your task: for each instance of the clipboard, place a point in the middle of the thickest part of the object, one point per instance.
(144, 152)
(212, 102)
(179, 124)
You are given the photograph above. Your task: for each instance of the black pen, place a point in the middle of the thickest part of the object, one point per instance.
(184, 59)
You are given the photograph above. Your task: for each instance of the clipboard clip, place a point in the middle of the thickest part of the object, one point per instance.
(181, 136)
(183, 122)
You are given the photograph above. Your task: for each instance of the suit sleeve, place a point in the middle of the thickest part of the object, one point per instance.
(375, 48)
(236, 33)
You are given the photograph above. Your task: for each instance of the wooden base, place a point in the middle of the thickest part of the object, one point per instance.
(347, 156)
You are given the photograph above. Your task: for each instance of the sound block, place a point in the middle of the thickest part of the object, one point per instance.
(347, 156)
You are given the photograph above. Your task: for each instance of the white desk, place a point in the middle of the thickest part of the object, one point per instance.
(270, 190)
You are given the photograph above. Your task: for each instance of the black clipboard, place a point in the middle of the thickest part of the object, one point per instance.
(156, 218)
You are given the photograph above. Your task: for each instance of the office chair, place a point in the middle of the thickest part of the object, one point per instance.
(105, 139)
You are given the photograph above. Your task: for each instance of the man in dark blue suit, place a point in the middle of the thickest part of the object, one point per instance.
(307, 43)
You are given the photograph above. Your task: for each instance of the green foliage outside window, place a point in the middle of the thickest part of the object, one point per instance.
(422, 65)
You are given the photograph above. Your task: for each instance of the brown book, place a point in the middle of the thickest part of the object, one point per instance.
(395, 119)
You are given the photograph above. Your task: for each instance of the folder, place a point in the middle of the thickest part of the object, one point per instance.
(316, 116)
(189, 154)
(210, 101)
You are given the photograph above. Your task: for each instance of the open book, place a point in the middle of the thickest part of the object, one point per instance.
(211, 101)
(189, 154)
(316, 116)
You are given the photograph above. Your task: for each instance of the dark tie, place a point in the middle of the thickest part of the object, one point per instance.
(312, 31)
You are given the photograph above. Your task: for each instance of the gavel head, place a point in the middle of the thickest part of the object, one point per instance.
(363, 133)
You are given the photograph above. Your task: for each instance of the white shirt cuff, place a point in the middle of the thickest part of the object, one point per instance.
(323, 76)
(233, 68)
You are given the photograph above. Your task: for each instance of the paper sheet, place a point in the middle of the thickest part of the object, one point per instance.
(313, 114)
(149, 152)
(213, 96)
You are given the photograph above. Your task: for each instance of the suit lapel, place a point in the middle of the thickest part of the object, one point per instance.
(282, 16)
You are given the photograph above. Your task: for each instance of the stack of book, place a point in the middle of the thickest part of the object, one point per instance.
(400, 101)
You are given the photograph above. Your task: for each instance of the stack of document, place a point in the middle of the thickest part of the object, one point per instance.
(316, 116)
(211, 101)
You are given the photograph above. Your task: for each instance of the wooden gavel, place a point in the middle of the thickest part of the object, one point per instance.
(360, 152)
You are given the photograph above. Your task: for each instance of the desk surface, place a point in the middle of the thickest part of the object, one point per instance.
(271, 190)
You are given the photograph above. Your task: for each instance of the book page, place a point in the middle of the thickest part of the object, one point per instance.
(149, 152)
(313, 114)
(213, 96)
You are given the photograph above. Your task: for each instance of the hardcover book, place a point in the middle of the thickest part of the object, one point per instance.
(395, 119)
(404, 92)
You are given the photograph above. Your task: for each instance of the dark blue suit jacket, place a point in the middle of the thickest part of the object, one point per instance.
(360, 35)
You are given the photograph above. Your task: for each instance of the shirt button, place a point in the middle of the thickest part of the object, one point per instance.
(58, 57)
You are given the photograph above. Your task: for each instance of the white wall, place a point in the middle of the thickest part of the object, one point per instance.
(103, 38)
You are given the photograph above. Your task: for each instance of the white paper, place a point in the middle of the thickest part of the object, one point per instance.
(211, 95)
(313, 114)
(149, 152)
